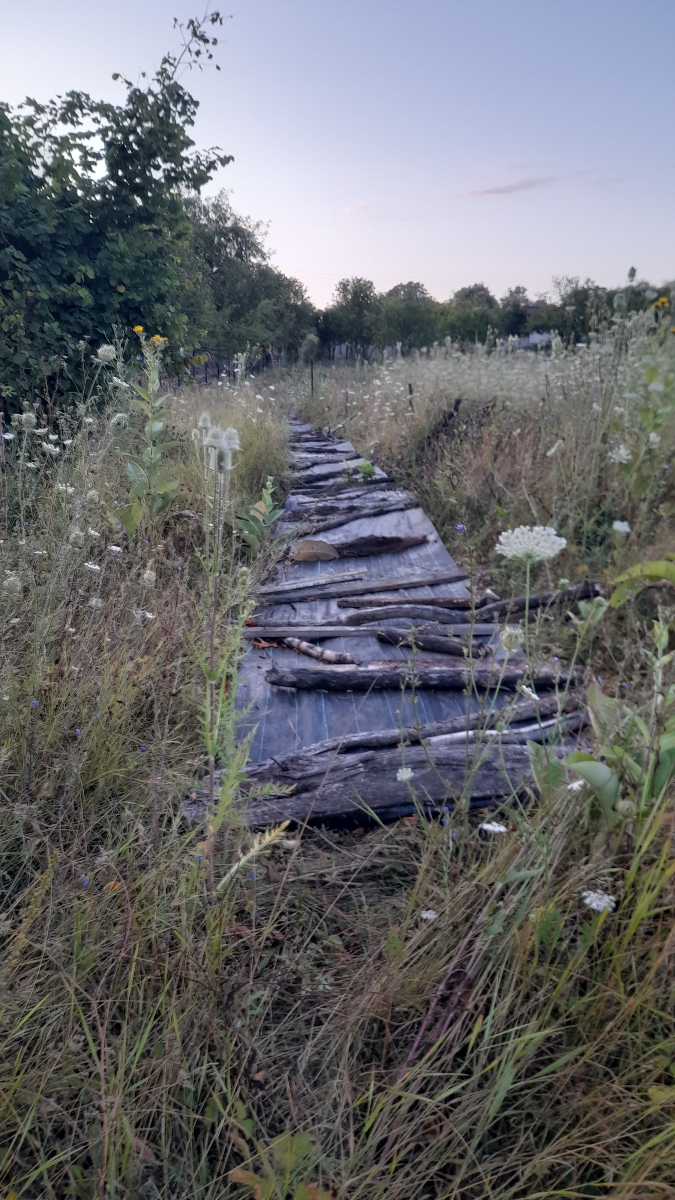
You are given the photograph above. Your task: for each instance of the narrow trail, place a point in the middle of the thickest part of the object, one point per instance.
(344, 729)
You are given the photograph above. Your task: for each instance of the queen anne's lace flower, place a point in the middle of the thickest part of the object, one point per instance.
(599, 901)
(106, 354)
(403, 774)
(493, 827)
(532, 544)
(512, 638)
(621, 454)
(621, 526)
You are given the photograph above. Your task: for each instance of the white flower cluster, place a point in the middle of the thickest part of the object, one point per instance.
(621, 526)
(599, 901)
(532, 544)
(620, 455)
(106, 354)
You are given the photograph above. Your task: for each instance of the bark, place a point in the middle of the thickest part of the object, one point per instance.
(322, 589)
(329, 656)
(385, 675)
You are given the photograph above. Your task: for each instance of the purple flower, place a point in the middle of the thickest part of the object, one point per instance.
(77, 733)
(460, 528)
(200, 858)
(251, 875)
(34, 703)
(86, 881)
(143, 749)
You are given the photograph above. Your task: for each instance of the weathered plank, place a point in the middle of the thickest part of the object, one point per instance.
(322, 589)
(275, 629)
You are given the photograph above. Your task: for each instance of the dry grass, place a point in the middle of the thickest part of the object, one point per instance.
(156, 1034)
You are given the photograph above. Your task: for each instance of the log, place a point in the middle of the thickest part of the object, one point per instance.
(352, 513)
(302, 462)
(317, 631)
(325, 469)
(384, 676)
(329, 656)
(411, 612)
(367, 780)
(376, 543)
(423, 641)
(282, 589)
(373, 739)
(321, 589)
(451, 602)
(582, 591)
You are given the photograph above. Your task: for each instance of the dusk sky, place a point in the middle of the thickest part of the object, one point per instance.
(446, 141)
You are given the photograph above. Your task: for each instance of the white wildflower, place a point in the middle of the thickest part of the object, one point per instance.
(93, 533)
(115, 549)
(621, 454)
(621, 526)
(512, 638)
(11, 585)
(92, 496)
(67, 441)
(50, 449)
(403, 774)
(493, 827)
(149, 616)
(596, 407)
(64, 487)
(428, 914)
(530, 543)
(92, 566)
(53, 437)
(576, 785)
(96, 602)
(120, 420)
(40, 431)
(106, 354)
(148, 577)
(654, 439)
(89, 421)
(9, 437)
(557, 449)
(40, 553)
(599, 901)
(119, 382)
(527, 691)
(31, 466)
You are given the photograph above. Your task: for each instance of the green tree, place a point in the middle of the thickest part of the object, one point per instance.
(410, 316)
(92, 221)
(354, 317)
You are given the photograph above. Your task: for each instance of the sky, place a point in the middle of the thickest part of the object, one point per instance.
(445, 141)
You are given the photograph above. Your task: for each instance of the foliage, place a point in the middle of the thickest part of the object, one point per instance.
(92, 220)
(254, 525)
(154, 482)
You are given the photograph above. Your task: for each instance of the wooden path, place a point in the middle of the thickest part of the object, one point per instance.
(331, 731)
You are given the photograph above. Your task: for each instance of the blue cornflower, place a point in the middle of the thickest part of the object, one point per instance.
(34, 703)
(77, 733)
(251, 875)
(143, 749)
(200, 858)
(460, 528)
(86, 881)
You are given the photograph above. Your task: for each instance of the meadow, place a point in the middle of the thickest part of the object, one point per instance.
(412, 1011)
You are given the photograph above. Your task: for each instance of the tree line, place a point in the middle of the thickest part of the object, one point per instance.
(103, 227)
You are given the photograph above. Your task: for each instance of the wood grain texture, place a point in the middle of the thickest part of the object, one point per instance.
(395, 675)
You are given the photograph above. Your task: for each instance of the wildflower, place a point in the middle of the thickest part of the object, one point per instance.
(34, 703)
(119, 421)
(9, 437)
(31, 465)
(92, 566)
(93, 533)
(92, 496)
(621, 454)
(654, 439)
(556, 449)
(115, 549)
(86, 881)
(40, 431)
(138, 328)
(11, 585)
(403, 774)
(599, 901)
(53, 437)
(67, 441)
(77, 732)
(460, 528)
(621, 526)
(493, 827)
(50, 449)
(527, 691)
(64, 487)
(220, 443)
(428, 914)
(119, 382)
(576, 785)
(89, 421)
(596, 407)
(106, 354)
(96, 602)
(512, 638)
(148, 577)
(531, 544)
(76, 538)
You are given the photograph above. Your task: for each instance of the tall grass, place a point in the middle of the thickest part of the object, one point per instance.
(427, 1009)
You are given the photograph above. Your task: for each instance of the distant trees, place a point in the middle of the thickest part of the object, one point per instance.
(233, 296)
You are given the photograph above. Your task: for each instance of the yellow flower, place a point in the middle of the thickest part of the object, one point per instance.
(138, 328)
(662, 302)
(157, 340)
